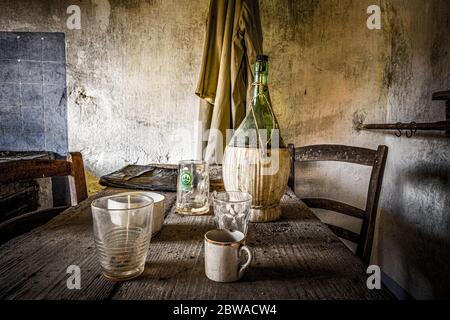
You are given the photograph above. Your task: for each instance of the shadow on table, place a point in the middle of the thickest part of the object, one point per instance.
(182, 232)
(271, 273)
(166, 270)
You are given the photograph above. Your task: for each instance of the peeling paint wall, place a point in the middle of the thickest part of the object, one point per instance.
(328, 70)
(132, 73)
(414, 230)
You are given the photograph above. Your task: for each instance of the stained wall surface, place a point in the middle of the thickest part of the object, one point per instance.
(131, 72)
(330, 71)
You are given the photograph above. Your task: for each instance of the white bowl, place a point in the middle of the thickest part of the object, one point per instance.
(158, 208)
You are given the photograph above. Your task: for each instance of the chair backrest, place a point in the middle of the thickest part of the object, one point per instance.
(20, 170)
(367, 157)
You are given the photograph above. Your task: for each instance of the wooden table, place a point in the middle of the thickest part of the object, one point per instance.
(297, 257)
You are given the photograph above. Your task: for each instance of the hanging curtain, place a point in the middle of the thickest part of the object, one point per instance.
(233, 40)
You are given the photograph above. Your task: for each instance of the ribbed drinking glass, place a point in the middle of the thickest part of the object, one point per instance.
(122, 232)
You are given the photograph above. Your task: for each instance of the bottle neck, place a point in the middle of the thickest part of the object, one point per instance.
(261, 72)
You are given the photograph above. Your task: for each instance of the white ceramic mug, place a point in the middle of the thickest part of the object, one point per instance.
(223, 249)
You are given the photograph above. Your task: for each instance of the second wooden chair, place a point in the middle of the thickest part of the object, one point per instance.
(367, 157)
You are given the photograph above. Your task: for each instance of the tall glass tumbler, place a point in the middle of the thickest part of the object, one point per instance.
(122, 232)
(193, 187)
(232, 210)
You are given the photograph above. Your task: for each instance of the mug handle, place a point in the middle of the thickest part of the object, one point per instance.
(247, 263)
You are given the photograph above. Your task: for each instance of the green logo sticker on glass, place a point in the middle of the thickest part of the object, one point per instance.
(186, 180)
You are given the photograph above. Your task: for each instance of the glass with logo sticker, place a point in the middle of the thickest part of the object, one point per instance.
(193, 187)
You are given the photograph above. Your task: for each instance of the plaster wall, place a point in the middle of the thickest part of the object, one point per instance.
(132, 69)
(328, 70)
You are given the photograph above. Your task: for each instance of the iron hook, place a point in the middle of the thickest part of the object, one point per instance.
(399, 134)
(412, 129)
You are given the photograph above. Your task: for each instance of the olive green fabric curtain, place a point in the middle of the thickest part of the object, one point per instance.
(233, 40)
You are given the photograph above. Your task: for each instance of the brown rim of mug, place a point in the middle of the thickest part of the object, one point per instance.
(225, 244)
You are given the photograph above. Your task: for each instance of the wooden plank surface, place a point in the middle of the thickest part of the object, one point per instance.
(297, 257)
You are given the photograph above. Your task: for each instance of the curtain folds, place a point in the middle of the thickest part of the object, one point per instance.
(233, 40)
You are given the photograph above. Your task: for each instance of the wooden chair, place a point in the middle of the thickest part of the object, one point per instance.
(373, 158)
(20, 170)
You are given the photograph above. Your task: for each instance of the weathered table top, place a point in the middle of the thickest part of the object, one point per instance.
(297, 257)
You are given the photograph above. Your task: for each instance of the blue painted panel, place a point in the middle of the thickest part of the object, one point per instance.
(9, 95)
(30, 46)
(9, 71)
(8, 45)
(33, 94)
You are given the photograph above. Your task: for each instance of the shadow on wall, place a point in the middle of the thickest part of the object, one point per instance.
(420, 249)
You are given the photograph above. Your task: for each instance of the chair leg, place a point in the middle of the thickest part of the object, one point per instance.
(291, 181)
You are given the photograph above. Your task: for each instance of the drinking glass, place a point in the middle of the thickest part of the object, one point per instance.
(193, 187)
(232, 210)
(122, 232)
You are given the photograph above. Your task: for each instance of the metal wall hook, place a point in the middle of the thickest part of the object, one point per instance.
(399, 133)
(412, 129)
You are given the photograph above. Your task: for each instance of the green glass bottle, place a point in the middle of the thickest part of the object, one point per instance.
(256, 159)
(260, 127)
